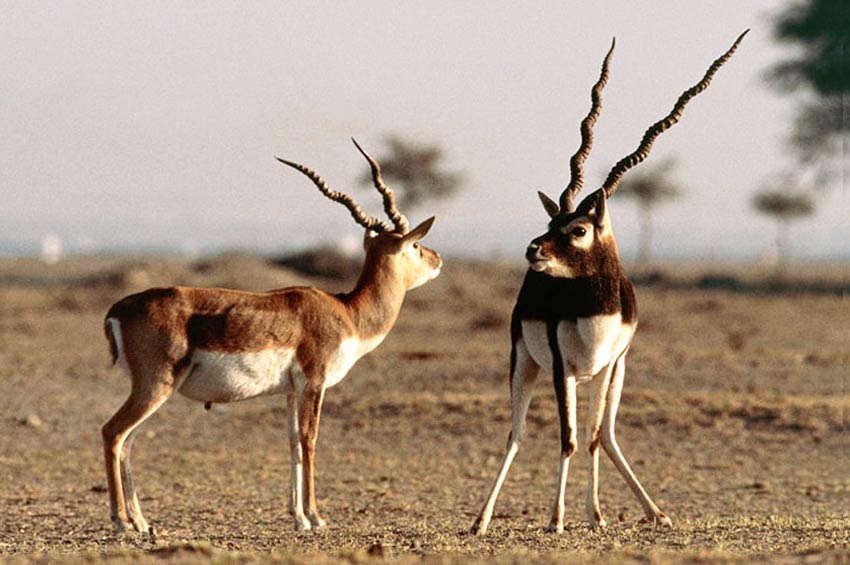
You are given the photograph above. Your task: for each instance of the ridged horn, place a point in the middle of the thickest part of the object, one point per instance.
(577, 160)
(398, 219)
(357, 212)
(641, 153)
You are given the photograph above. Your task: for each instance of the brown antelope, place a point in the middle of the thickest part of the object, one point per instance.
(576, 314)
(217, 345)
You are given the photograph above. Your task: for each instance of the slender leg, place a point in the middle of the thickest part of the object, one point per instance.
(134, 509)
(609, 444)
(142, 402)
(566, 396)
(309, 413)
(296, 484)
(523, 375)
(597, 399)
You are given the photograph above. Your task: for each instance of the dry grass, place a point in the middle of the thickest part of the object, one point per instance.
(734, 416)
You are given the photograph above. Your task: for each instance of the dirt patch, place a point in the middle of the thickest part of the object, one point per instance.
(734, 417)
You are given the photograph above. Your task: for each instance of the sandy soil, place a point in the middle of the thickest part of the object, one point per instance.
(734, 416)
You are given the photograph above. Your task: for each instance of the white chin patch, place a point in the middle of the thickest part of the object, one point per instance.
(429, 277)
(553, 269)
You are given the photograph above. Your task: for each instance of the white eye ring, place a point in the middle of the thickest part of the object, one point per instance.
(575, 231)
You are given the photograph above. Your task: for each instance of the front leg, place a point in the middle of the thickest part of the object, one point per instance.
(524, 372)
(565, 396)
(565, 391)
(296, 478)
(310, 410)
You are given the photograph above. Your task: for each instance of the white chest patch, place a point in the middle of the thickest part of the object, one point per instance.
(225, 377)
(587, 346)
(350, 350)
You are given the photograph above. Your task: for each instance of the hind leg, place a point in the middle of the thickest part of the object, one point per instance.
(131, 498)
(612, 448)
(123, 501)
(596, 409)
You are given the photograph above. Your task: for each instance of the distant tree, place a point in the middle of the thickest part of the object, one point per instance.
(414, 172)
(819, 69)
(650, 188)
(784, 207)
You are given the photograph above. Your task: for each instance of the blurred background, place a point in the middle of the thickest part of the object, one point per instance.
(153, 127)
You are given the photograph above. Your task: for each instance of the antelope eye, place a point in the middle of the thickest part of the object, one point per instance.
(578, 231)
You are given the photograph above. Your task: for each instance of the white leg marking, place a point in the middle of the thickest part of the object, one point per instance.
(525, 373)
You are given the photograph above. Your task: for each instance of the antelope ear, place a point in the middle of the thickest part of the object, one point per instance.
(419, 231)
(550, 205)
(601, 207)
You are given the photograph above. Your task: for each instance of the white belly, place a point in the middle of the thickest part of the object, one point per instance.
(225, 377)
(587, 345)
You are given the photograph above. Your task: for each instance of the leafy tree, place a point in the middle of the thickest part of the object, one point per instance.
(414, 172)
(784, 207)
(650, 188)
(819, 69)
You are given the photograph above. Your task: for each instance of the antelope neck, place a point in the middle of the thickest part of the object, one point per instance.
(547, 298)
(376, 300)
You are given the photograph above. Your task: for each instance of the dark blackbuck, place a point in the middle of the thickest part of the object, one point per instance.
(576, 315)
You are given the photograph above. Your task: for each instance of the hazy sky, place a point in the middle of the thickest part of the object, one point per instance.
(156, 123)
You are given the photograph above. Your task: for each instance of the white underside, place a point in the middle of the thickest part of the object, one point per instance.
(227, 377)
(215, 376)
(587, 345)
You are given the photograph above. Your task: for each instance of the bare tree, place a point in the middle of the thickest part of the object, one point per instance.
(415, 173)
(650, 188)
(783, 207)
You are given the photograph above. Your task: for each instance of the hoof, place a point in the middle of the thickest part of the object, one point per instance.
(594, 516)
(659, 519)
(317, 522)
(555, 528)
(478, 528)
(141, 525)
(302, 524)
(121, 526)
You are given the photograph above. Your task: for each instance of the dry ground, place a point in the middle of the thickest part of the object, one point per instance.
(734, 416)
